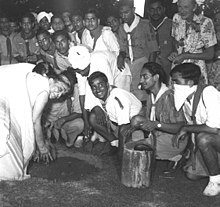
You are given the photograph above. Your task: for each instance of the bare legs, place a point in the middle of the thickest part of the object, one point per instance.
(209, 145)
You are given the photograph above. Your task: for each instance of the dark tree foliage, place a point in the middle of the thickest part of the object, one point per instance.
(15, 8)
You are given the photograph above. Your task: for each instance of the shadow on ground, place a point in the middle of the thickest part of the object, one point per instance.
(79, 178)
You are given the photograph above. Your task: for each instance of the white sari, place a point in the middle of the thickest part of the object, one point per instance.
(17, 141)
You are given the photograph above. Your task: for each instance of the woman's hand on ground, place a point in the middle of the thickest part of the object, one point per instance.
(45, 154)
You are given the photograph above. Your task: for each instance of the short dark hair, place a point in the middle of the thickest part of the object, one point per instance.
(57, 16)
(29, 16)
(4, 16)
(95, 75)
(42, 31)
(12, 19)
(92, 11)
(154, 69)
(44, 68)
(188, 71)
(113, 13)
(77, 13)
(129, 3)
(154, 1)
(61, 32)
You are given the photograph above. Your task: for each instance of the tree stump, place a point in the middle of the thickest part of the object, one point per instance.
(137, 162)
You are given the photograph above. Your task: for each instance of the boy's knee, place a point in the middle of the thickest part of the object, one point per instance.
(203, 140)
(92, 119)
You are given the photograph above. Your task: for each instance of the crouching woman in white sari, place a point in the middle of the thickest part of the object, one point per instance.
(23, 96)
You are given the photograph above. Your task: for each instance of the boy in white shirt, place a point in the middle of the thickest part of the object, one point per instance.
(185, 78)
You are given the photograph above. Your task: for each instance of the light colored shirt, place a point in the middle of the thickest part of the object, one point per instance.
(121, 106)
(99, 62)
(47, 58)
(60, 109)
(106, 42)
(207, 110)
(62, 61)
(198, 36)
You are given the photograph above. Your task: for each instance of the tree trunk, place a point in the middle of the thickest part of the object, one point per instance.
(137, 162)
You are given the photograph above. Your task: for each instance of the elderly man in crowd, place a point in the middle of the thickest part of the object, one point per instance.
(194, 35)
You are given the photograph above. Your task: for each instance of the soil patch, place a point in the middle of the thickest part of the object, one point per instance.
(64, 169)
(95, 182)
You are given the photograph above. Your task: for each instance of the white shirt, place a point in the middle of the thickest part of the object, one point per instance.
(106, 42)
(99, 62)
(121, 106)
(208, 110)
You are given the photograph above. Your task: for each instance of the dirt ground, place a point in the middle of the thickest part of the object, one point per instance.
(78, 178)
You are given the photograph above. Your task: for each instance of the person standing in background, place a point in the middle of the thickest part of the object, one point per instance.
(114, 21)
(194, 37)
(162, 26)
(26, 48)
(137, 42)
(6, 42)
(97, 37)
(77, 21)
(44, 21)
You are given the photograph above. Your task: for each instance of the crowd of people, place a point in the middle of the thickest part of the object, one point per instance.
(113, 82)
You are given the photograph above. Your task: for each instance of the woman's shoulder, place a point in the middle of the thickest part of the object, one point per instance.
(38, 81)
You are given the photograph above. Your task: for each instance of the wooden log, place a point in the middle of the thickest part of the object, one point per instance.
(137, 164)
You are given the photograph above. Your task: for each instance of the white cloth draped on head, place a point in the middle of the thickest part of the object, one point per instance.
(79, 57)
(43, 14)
